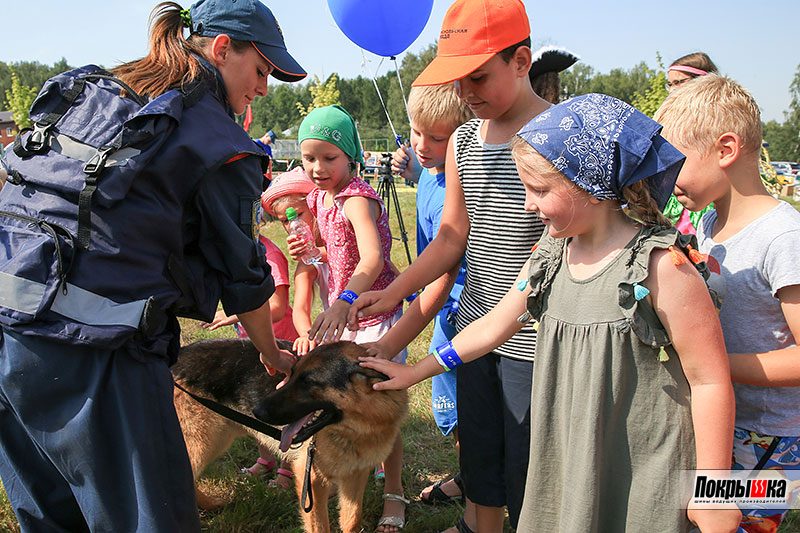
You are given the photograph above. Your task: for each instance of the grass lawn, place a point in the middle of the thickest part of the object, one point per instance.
(428, 456)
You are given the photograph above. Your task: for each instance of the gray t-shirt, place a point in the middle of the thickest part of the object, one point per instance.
(747, 270)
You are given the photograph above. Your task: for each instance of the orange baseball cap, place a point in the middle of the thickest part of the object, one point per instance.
(474, 31)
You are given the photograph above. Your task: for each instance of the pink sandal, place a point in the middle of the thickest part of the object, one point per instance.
(262, 467)
(275, 484)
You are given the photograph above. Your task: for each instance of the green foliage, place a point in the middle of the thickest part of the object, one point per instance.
(322, 94)
(20, 98)
(650, 100)
(619, 83)
(31, 74)
(784, 139)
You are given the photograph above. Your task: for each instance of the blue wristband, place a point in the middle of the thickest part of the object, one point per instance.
(411, 297)
(448, 356)
(348, 296)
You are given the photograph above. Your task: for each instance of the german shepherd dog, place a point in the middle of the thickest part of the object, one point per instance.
(329, 397)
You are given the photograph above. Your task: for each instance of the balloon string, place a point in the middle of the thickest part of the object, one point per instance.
(402, 90)
(378, 90)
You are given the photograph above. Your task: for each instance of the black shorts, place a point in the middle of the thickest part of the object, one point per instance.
(494, 400)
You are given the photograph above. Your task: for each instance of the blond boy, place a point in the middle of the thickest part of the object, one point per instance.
(435, 112)
(751, 242)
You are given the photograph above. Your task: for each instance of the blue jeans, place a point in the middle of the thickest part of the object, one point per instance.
(89, 440)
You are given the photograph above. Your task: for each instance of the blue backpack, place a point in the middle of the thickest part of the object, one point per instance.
(92, 137)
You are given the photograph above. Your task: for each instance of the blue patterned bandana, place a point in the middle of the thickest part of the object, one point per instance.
(603, 144)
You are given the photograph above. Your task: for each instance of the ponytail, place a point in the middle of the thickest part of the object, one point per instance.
(642, 207)
(172, 60)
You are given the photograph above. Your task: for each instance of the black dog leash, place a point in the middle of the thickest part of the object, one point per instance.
(236, 416)
(308, 494)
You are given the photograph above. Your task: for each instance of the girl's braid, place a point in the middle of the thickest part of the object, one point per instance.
(642, 207)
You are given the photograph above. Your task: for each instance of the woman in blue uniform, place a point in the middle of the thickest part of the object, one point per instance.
(90, 439)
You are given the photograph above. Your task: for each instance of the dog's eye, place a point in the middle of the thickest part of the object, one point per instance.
(305, 379)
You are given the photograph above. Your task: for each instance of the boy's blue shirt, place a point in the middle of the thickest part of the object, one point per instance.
(430, 204)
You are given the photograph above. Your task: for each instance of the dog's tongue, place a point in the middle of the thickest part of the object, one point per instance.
(290, 430)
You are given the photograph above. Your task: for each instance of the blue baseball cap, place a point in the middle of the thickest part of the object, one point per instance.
(247, 20)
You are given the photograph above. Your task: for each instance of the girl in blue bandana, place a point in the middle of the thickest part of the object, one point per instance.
(632, 383)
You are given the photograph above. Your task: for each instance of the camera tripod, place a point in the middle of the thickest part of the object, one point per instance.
(388, 193)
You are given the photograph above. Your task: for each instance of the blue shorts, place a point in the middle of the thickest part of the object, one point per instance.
(443, 386)
(90, 440)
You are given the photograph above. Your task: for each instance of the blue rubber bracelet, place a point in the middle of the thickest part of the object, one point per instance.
(348, 296)
(411, 297)
(448, 355)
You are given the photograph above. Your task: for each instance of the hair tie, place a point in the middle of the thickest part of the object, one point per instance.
(186, 18)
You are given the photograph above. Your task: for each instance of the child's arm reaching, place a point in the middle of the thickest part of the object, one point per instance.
(362, 214)
(277, 306)
(439, 256)
(681, 300)
(415, 318)
(304, 278)
(476, 340)
(777, 368)
(220, 319)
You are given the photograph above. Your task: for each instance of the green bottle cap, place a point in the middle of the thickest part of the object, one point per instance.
(291, 214)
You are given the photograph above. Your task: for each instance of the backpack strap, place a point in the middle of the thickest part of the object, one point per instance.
(37, 141)
(130, 93)
(92, 168)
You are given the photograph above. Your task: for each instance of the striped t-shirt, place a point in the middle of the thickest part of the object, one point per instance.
(501, 232)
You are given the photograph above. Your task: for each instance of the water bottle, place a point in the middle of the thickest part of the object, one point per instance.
(299, 228)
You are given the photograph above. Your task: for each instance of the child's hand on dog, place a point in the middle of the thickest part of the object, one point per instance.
(376, 349)
(283, 361)
(400, 376)
(330, 324)
(303, 345)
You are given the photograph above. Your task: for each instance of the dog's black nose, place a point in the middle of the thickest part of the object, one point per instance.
(261, 412)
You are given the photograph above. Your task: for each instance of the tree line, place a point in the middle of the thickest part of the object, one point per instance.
(281, 110)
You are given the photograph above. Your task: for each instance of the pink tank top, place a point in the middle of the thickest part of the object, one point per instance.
(340, 241)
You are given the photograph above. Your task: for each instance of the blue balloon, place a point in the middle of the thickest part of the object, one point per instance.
(384, 27)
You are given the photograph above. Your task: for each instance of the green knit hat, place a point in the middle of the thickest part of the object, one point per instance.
(335, 125)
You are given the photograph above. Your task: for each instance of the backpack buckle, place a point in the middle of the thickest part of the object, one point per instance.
(37, 142)
(97, 163)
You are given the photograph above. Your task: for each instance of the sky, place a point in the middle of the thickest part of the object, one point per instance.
(756, 43)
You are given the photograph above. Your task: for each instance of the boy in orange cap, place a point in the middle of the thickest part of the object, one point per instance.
(484, 47)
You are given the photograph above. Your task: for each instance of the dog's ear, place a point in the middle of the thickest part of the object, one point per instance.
(368, 373)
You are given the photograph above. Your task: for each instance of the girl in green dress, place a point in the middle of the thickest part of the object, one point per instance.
(631, 382)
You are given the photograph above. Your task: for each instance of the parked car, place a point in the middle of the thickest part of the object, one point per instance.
(783, 167)
(795, 169)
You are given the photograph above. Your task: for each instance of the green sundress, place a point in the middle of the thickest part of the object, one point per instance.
(610, 421)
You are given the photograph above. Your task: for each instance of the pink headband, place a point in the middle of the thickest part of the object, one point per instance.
(293, 182)
(688, 70)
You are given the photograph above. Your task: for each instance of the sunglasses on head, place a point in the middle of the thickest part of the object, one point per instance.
(670, 84)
